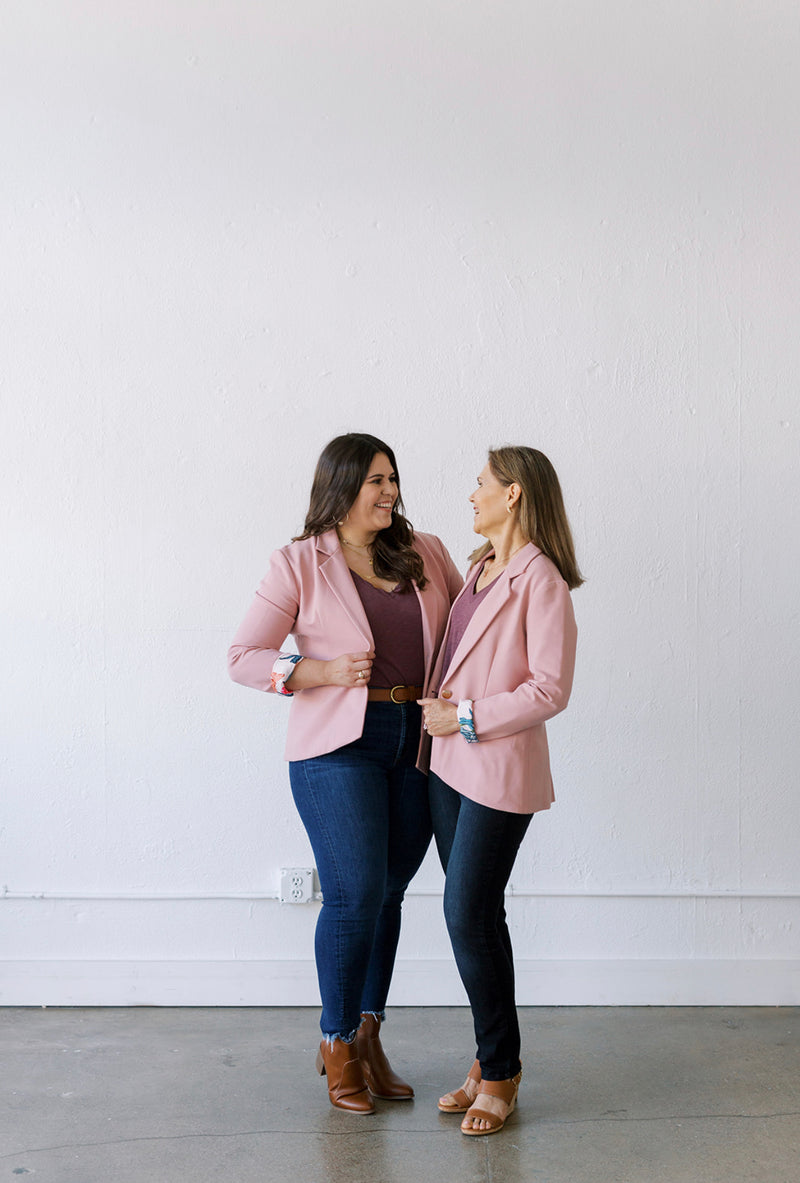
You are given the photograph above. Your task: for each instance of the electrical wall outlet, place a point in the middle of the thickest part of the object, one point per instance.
(297, 885)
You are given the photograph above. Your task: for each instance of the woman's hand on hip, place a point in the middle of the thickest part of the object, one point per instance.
(350, 669)
(438, 716)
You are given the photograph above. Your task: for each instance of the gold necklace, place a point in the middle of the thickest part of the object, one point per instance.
(371, 578)
(357, 546)
(363, 546)
(494, 571)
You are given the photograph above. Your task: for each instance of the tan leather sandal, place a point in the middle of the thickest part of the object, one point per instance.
(503, 1091)
(461, 1099)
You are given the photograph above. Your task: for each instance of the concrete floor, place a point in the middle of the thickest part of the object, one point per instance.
(629, 1095)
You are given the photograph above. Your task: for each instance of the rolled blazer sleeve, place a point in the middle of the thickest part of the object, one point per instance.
(267, 624)
(548, 649)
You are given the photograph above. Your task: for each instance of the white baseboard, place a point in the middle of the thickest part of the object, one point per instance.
(416, 983)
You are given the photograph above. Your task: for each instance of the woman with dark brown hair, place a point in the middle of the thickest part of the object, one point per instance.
(505, 668)
(366, 599)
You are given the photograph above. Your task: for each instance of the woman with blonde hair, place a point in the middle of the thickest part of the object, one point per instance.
(506, 666)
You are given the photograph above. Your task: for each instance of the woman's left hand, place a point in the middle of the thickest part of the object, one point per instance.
(439, 717)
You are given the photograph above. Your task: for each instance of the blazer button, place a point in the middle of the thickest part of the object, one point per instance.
(446, 693)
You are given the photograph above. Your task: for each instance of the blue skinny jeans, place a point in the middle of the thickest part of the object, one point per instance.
(365, 809)
(477, 847)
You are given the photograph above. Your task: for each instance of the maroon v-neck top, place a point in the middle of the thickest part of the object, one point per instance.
(395, 619)
(462, 613)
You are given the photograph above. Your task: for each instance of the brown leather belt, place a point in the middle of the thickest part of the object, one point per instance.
(397, 694)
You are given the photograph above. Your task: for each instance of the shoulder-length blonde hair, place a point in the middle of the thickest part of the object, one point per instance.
(542, 516)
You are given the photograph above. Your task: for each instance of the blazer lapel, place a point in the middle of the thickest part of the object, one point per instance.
(488, 609)
(427, 634)
(336, 573)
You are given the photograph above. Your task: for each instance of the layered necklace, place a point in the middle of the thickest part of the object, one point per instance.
(363, 547)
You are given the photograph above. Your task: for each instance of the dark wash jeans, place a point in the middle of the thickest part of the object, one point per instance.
(365, 809)
(477, 848)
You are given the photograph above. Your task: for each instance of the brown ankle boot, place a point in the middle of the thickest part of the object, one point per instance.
(347, 1088)
(381, 1080)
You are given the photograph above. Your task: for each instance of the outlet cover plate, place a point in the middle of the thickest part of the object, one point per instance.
(297, 885)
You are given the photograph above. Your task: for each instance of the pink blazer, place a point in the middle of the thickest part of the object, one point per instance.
(515, 661)
(309, 592)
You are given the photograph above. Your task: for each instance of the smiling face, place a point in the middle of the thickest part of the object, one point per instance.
(490, 503)
(372, 509)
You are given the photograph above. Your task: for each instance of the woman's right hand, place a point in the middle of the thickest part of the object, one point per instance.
(350, 669)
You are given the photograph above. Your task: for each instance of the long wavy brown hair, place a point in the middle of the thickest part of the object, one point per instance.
(542, 516)
(341, 471)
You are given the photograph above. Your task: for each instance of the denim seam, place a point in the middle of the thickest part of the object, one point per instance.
(335, 864)
(485, 933)
(395, 761)
(401, 742)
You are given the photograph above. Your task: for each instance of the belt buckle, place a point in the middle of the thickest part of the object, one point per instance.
(397, 701)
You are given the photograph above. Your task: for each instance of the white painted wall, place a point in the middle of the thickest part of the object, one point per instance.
(230, 232)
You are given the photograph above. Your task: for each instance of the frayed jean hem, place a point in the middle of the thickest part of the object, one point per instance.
(345, 1036)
